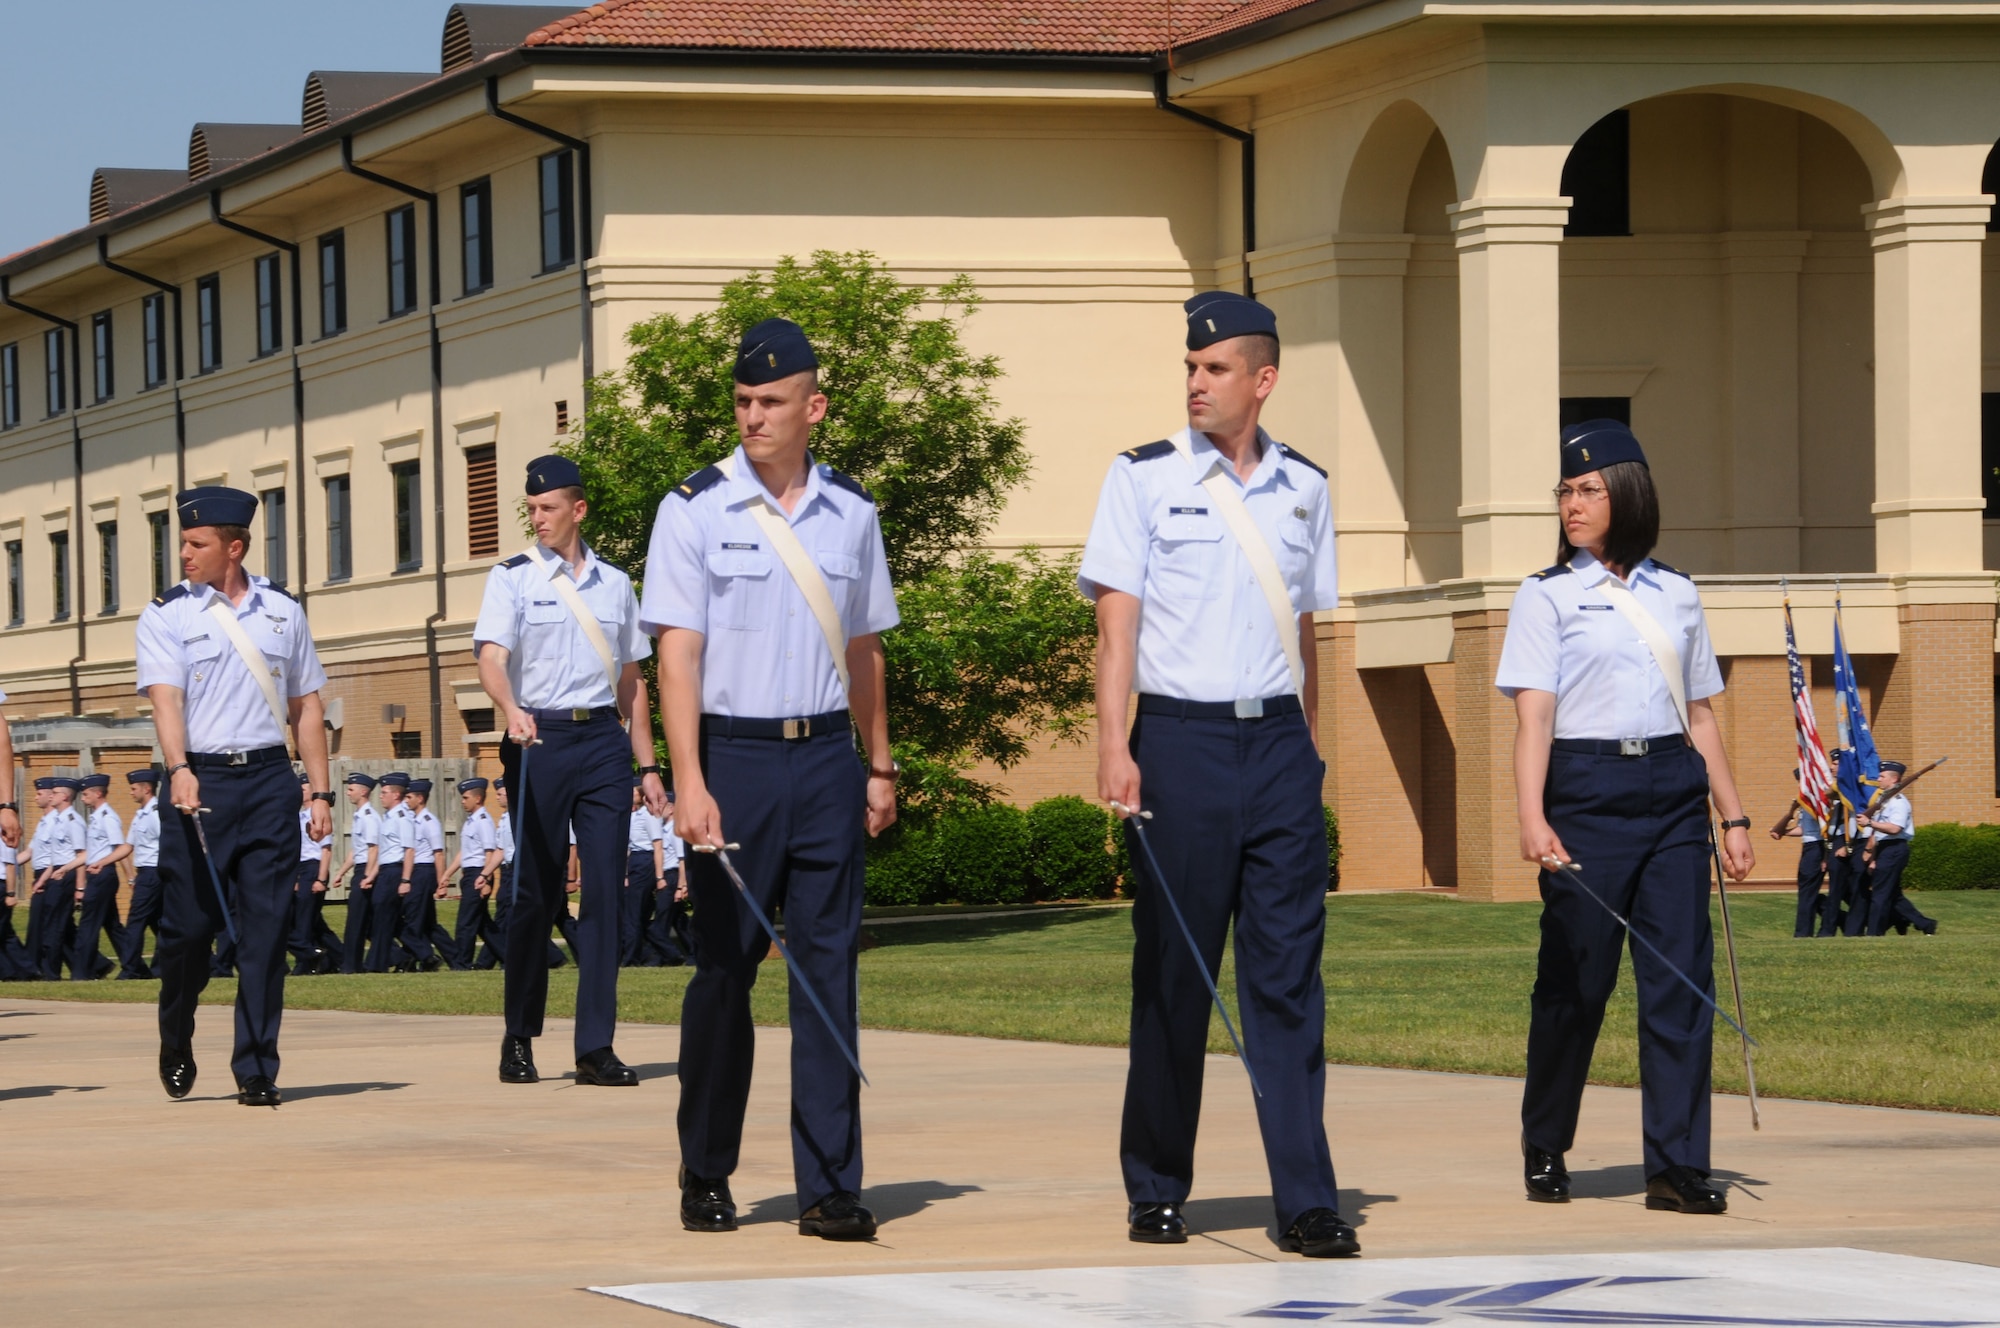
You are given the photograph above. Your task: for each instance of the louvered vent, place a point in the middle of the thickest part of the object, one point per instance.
(457, 50)
(100, 199)
(198, 154)
(482, 496)
(313, 114)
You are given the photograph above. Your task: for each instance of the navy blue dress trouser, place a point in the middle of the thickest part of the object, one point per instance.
(310, 934)
(475, 919)
(1238, 825)
(418, 911)
(581, 776)
(1639, 827)
(52, 924)
(1812, 868)
(100, 915)
(1847, 895)
(798, 809)
(383, 915)
(1888, 905)
(141, 913)
(254, 836)
(632, 911)
(360, 918)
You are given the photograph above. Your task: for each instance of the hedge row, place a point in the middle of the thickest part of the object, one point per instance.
(1948, 856)
(1060, 848)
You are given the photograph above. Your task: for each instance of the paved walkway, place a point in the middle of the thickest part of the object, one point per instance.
(401, 1181)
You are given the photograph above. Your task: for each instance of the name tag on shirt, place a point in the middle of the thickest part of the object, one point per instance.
(191, 640)
(1595, 608)
(746, 548)
(1187, 511)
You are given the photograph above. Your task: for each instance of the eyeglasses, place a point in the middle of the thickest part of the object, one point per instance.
(1590, 493)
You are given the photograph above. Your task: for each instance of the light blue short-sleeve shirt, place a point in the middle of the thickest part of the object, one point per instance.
(146, 834)
(551, 662)
(180, 644)
(475, 837)
(103, 833)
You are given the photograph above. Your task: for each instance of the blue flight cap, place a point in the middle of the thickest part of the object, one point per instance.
(214, 505)
(1896, 766)
(422, 786)
(471, 786)
(365, 781)
(142, 776)
(1595, 444)
(547, 473)
(94, 781)
(500, 782)
(773, 349)
(44, 783)
(397, 778)
(1214, 316)
(65, 782)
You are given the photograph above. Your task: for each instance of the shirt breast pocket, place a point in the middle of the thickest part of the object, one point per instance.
(543, 612)
(1187, 554)
(1295, 547)
(204, 655)
(739, 589)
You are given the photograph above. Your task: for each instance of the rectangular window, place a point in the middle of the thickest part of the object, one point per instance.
(16, 590)
(58, 375)
(1597, 177)
(59, 565)
(10, 385)
(558, 210)
(271, 503)
(107, 564)
(482, 720)
(102, 377)
(154, 333)
(208, 323)
(162, 551)
(333, 284)
(406, 477)
(475, 210)
(402, 260)
(482, 502)
(339, 529)
(270, 307)
(1575, 410)
(406, 746)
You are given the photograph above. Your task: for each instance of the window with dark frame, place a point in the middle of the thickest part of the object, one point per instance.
(270, 306)
(475, 211)
(107, 566)
(482, 501)
(272, 507)
(153, 338)
(333, 284)
(10, 385)
(17, 611)
(483, 720)
(339, 529)
(102, 376)
(53, 351)
(1597, 178)
(59, 566)
(208, 323)
(406, 746)
(402, 224)
(406, 477)
(558, 210)
(162, 552)
(562, 417)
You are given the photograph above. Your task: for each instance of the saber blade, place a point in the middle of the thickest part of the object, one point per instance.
(721, 852)
(1137, 820)
(221, 900)
(1735, 978)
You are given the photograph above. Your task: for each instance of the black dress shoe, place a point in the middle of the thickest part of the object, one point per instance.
(517, 1061)
(1546, 1177)
(177, 1072)
(1320, 1233)
(258, 1091)
(1684, 1190)
(839, 1216)
(706, 1205)
(1157, 1224)
(602, 1067)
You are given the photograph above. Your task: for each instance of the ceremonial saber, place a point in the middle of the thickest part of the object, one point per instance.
(1575, 869)
(221, 901)
(521, 771)
(721, 852)
(1735, 976)
(1136, 819)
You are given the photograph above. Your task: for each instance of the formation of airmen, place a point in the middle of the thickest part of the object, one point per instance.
(766, 594)
(1851, 868)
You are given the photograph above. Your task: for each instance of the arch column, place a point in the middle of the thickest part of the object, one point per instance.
(1370, 515)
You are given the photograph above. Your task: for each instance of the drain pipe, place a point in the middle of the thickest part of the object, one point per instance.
(1247, 143)
(431, 623)
(583, 219)
(303, 579)
(180, 416)
(76, 466)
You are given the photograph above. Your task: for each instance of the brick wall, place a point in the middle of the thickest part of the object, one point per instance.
(1490, 869)
(1438, 710)
(1755, 712)
(1378, 745)
(1939, 702)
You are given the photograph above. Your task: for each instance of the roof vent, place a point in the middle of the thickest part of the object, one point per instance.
(214, 148)
(113, 190)
(333, 95)
(473, 32)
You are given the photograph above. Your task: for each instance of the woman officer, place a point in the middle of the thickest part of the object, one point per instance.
(1606, 776)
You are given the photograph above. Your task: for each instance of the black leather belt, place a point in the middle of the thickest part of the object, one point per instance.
(579, 715)
(1666, 742)
(256, 756)
(1248, 708)
(789, 730)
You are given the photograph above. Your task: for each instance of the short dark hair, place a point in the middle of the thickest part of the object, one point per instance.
(1635, 516)
(229, 533)
(1259, 350)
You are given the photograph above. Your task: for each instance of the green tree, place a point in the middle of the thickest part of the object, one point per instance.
(991, 649)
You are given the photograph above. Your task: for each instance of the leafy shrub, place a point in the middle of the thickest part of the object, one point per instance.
(1069, 850)
(1949, 856)
(1332, 848)
(903, 867)
(983, 854)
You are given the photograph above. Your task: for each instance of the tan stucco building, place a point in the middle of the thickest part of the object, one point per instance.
(1776, 260)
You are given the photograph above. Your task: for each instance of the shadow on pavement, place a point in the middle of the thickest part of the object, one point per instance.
(46, 1090)
(338, 1090)
(1629, 1182)
(889, 1203)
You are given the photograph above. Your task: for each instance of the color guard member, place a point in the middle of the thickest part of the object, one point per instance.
(1892, 826)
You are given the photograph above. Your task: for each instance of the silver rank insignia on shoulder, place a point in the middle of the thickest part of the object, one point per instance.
(1300, 513)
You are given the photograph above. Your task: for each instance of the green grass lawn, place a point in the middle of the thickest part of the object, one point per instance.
(1415, 981)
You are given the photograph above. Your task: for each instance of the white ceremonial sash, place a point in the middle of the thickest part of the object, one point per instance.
(253, 658)
(804, 571)
(1264, 564)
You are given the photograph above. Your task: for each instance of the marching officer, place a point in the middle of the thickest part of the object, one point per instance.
(1208, 556)
(495, 951)
(391, 885)
(144, 910)
(16, 965)
(1812, 864)
(559, 645)
(1618, 755)
(667, 932)
(1894, 825)
(38, 864)
(227, 659)
(762, 727)
(106, 837)
(645, 872)
(57, 888)
(315, 949)
(364, 848)
(424, 876)
(478, 873)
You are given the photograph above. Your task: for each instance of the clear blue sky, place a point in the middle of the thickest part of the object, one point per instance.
(121, 82)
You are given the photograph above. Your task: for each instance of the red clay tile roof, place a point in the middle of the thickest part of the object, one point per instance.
(1009, 27)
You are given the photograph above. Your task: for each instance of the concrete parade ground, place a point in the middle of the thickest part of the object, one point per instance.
(401, 1182)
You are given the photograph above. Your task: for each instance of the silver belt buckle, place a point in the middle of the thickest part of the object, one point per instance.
(580, 715)
(1249, 707)
(1633, 747)
(239, 758)
(794, 729)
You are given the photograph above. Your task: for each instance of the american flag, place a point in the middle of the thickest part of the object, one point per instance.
(1815, 774)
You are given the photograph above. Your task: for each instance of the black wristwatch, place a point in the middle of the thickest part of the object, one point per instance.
(1740, 823)
(10, 807)
(645, 770)
(326, 798)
